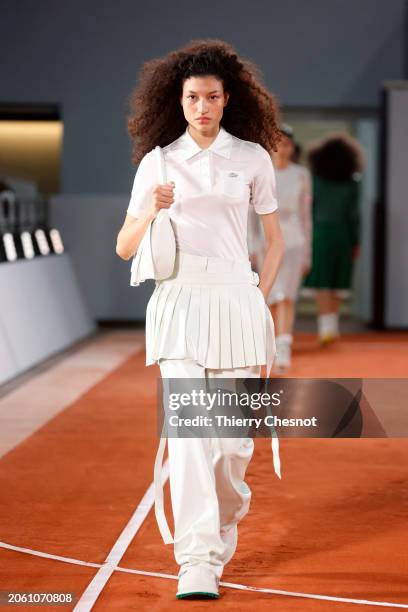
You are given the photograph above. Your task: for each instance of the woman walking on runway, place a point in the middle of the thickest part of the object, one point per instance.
(217, 125)
(336, 162)
(293, 184)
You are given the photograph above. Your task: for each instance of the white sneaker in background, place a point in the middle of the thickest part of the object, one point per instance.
(283, 357)
(328, 327)
(334, 322)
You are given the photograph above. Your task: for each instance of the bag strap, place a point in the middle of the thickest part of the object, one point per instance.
(161, 163)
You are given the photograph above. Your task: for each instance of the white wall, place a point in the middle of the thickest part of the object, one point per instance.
(42, 312)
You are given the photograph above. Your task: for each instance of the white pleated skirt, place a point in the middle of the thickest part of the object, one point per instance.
(210, 310)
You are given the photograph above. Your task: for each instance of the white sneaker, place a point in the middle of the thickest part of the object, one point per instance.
(198, 582)
(283, 357)
(328, 327)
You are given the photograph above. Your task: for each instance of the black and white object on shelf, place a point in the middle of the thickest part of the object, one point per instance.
(56, 241)
(46, 234)
(8, 250)
(25, 224)
(38, 232)
(24, 228)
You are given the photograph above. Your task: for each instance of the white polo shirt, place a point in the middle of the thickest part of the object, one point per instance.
(214, 188)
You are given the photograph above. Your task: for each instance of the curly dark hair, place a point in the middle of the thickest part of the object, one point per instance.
(336, 157)
(156, 115)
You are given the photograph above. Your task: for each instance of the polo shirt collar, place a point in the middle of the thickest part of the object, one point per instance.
(222, 144)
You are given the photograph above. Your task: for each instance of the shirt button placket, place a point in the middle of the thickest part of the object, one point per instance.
(205, 168)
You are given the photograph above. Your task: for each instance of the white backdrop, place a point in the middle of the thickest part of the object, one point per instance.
(396, 201)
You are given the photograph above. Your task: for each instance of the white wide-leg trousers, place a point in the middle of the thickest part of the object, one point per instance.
(208, 493)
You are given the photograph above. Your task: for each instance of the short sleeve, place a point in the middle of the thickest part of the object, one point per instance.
(264, 197)
(145, 179)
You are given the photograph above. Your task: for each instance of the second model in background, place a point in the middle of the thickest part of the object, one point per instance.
(294, 191)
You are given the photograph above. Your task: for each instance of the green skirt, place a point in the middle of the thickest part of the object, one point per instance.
(332, 263)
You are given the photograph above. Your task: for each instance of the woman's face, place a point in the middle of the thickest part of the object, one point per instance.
(203, 100)
(285, 149)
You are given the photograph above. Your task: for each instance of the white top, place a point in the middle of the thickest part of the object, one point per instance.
(294, 192)
(214, 189)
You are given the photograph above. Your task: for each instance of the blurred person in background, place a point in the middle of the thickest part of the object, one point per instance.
(297, 153)
(293, 184)
(336, 163)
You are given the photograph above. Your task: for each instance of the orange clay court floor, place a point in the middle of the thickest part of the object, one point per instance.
(335, 528)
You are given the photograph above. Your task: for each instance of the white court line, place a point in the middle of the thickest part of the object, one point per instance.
(95, 587)
(229, 585)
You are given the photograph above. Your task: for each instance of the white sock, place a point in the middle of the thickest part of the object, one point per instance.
(324, 324)
(284, 350)
(284, 339)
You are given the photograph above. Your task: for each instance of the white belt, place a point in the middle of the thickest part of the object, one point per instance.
(158, 464)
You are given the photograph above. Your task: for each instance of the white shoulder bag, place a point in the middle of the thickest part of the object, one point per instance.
(155, 256)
